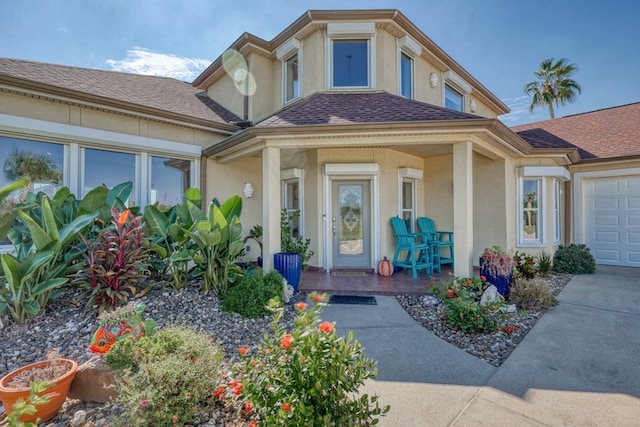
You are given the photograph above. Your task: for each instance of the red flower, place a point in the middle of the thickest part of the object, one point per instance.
(301, 306)
(517, 329)
(217, 394)
(508, 329)
(243, 350)
(253, 423)
(247, 406)
(143, 402)
(469, 281)
(318, 298)
(326, 327)
(286, 341)
(174, 418)
(483, 278)
(237, 389)
(285, 407)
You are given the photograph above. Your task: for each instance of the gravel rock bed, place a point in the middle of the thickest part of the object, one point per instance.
(68, 327)
(492, 347)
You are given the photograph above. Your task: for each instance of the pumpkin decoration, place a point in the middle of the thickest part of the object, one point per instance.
(385, 267)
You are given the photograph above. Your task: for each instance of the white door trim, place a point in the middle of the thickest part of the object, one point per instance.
(365, 171)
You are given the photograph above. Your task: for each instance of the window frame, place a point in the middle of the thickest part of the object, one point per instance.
(409, 175)
(331, 76)
(557, 211)
(540, 240)
(450, 88)
(288, 177)
(285, 77)
(401, 81)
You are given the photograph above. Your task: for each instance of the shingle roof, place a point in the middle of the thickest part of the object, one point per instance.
(158, 93)
(606, 133)
(325, 108)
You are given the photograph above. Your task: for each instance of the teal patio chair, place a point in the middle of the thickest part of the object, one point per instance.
(437, 240)
(418, 256)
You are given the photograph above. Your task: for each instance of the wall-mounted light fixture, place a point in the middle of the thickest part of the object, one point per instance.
(247, 190)
(473, 106)
(433, 79)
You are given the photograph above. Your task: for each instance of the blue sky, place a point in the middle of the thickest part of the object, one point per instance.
(500, 42)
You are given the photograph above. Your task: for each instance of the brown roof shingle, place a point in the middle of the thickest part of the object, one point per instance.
(325, 108)
(607, 133)
(158, 93)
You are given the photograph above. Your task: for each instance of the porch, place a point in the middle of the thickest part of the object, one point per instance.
(367, 283)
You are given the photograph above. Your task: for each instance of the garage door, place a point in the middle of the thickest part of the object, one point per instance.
(612, 219)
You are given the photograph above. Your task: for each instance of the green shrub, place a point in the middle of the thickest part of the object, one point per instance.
(249, 298)
(574, 259)
(544, 263)
(309, 376)
(291, 242)
(166, 378)
(531, 294)
(525, 265)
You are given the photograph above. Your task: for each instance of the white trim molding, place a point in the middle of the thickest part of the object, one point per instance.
(410, 46)
(557, 172)
(457, 82)
(287, 49)
(351, 29)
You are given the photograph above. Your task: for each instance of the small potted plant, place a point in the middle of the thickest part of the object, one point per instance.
(56, 371)
(256, 234)
(496, 265)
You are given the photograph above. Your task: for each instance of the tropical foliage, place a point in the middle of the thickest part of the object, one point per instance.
(553, 85)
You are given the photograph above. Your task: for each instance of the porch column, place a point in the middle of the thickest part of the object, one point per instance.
(270, 205)
(463, 208)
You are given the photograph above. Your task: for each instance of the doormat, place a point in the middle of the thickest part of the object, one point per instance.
(347, 273)
(352, 299)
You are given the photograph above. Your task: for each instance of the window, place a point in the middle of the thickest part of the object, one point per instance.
(530, 230)
(169, 180)
(350, 59)
(41, 163)
(109, 168)
(291, 78)
(406, 75)
(408, 203)
(292, 200)
(557, 220)
(453, 99)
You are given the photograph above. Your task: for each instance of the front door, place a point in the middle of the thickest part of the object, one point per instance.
(351, 224)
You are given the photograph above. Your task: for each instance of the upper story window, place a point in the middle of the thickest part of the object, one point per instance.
(291, 79)
(453, 100)
(351, 58)
(455, 89)
(291, 56)
(350, 63)
(406, 75)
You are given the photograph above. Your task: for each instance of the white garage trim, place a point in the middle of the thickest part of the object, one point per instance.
(581, 209)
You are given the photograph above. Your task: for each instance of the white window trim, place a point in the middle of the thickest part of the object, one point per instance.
(284, 53)
(294, 175)
(409, 175)
(413, 73)
(542, 197)
(456, 90)
(557, 210)
(76, 138)
(350, 31)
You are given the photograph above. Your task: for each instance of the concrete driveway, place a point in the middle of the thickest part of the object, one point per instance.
(579, 366)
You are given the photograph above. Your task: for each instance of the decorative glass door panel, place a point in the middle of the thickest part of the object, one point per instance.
(350, 224)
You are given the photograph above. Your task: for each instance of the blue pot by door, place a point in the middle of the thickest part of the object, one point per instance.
(289, 265)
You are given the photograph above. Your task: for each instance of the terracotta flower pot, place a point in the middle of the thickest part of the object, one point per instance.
(9, 396)
(451, 293)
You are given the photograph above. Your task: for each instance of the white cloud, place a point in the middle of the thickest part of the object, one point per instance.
(144, 61)
(519, 107)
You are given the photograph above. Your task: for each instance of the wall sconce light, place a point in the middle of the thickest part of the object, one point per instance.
(473, 106)
(433, 80)
(247, 190)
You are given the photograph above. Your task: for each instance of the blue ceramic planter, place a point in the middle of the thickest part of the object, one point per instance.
(289, 265)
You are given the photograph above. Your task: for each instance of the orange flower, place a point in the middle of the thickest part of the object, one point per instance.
(285, 407)
(286, 341)
(325, 327)
(247, 406)
(301, 306)
(469, 281)
(318, 298)
(237, 389)
(243, 350)
(253, 423)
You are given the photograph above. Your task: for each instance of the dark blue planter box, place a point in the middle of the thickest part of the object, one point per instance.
(289, 265)
(503, 283)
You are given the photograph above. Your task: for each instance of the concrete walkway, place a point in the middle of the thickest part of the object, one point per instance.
(579, 366)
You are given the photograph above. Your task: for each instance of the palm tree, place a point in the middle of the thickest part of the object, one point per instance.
(553, 85)
(32, 167)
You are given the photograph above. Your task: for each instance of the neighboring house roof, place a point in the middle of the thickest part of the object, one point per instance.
(601, 134)
(392, 19)
(163, 96)
(333, 108)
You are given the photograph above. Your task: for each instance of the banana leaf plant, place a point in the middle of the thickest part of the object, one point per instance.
(219, 242)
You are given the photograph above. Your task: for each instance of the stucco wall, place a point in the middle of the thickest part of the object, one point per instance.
(225, 93)
(490, 205)
(263, 101)
(226, 180)
(313, 68)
